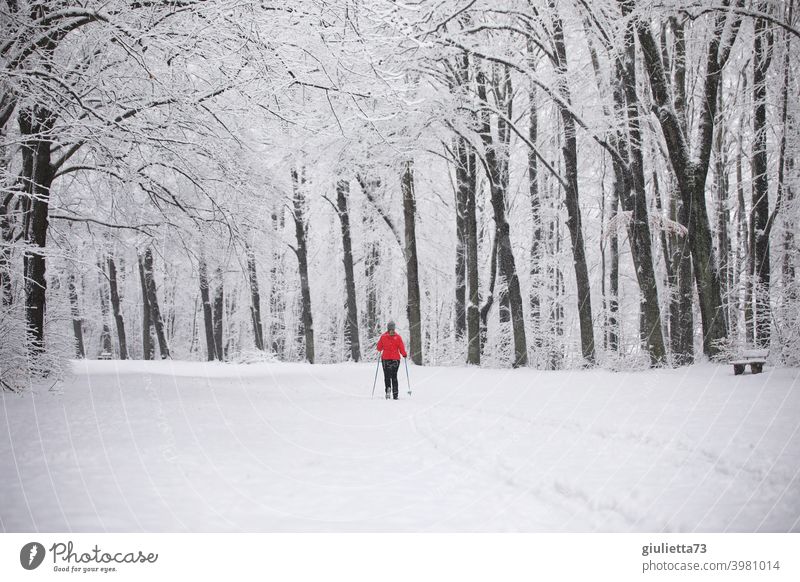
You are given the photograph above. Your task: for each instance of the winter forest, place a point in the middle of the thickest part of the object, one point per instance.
(545, 183)
(578, 213)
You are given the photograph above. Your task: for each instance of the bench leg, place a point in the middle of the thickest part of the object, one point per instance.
(755, 368)
(738, 369)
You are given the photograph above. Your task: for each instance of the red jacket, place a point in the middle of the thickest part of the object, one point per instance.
(391, 346)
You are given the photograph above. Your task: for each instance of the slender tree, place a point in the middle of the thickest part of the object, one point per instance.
(301, 251)
(412, 268)
(759, 235)
(496, 154)
(116, 309)
(208, 316)
(571, 197)
(152, 301)
(77, 321)
(351, 323)
(255, 298)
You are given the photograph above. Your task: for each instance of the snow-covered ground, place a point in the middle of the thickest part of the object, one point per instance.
(176, 446)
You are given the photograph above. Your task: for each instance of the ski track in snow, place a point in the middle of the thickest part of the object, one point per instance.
(186, 446)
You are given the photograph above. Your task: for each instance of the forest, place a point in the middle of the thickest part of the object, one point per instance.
(553, 184)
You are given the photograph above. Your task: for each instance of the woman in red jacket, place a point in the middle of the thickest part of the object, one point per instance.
(391, 346)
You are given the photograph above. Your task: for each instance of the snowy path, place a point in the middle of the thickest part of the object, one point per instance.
(176, 446)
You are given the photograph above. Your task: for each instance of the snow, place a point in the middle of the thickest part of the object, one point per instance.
(186, 446)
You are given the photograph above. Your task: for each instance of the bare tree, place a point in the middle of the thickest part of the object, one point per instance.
(412, 268)
(301, 251)
(351, 330)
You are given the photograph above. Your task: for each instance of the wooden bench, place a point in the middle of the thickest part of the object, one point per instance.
(755, 358)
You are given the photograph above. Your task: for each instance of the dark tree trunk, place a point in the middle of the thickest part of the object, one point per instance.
(535, 291)
(462, 194)
(208, 316)
(762, 56)
(412, 268)
(255, 299)
(471, 221)
(786, 164)
(301, 231)
(77, 321)
(37, 177)
(634, 200)
(217, 314)
(489, 301)
(152, 300)
(681, 283)
(496, 156)
(613, 283)
(351, 335)
(147, 323)
(115, 307)
(571, 198)
(467, 239)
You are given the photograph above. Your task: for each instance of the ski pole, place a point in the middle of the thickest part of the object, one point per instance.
(376, 377)
(408, 378)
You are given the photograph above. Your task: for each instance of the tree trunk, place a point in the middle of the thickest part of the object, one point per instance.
(147, 324)
(487, 304)
(152, 300)
(351, 335)
(37, 176)
(570, 153)
(208, 317)
(277, 301)
(535, 270)
(301, 230)
(468, 163)
(115, 307)
(681, 284)
(217, 314)
(255, 298)
(497, 170)
(762, 56)
(77, 321)
(743, 244)
(613, 283)
(786, 164)
(412, 268)
(635, 201)
(466, 184)
(106, 347)
(462, 193)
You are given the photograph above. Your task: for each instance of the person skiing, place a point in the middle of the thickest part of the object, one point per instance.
(391, 347)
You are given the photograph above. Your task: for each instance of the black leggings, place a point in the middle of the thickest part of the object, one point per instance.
(390, 368)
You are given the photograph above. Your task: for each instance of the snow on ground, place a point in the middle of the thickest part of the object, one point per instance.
(177, 446)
